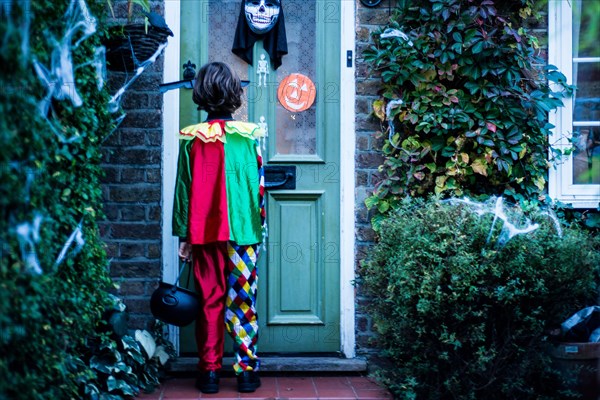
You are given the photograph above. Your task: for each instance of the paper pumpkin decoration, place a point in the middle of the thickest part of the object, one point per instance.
(296, 92)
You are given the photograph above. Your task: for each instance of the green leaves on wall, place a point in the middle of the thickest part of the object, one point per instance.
(474, 102)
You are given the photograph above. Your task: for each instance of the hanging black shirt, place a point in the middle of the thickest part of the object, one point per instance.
(274, 41)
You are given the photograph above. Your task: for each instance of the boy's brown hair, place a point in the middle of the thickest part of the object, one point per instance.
(218, 89)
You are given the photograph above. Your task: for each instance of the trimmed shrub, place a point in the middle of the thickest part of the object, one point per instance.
(464, 313)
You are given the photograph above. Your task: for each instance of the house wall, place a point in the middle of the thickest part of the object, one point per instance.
(132, 188)
(368, 156)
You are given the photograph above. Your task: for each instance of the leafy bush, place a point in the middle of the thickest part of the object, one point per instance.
(50, 155)
(463, 312)
(466, 99)
(125, 364)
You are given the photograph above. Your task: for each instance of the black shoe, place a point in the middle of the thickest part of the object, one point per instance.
(248, 381)
(208, 382)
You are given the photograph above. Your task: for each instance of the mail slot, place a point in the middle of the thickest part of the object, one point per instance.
(280, 177)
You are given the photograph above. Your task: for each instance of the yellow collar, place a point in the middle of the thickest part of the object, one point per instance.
(217, 130)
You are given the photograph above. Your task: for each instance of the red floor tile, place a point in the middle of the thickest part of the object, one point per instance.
(336, 394)
(152, 396)
(372, 394)
(363, 382)
(191, 394)
(278, 388)
(227, 390)
(296, 388)
(332, 382)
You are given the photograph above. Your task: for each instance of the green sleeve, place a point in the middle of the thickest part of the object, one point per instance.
(182, 189)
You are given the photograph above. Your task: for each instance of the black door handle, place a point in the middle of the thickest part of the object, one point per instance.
(280, 177)
(273, 185)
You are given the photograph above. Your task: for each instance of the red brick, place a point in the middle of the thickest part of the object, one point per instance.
(144, 231)
(135, 269)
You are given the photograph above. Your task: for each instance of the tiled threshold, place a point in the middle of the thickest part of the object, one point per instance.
(278, 386)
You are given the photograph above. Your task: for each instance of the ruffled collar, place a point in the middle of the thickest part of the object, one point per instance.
(218, 129)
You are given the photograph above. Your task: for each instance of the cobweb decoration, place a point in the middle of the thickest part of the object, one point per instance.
(509, 226)
(28, 234)
(75, 237)
(59, 77)
(114, 103)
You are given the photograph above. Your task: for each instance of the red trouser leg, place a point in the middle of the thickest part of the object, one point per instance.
(210, 263)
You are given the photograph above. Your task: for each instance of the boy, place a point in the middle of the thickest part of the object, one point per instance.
(219, 217)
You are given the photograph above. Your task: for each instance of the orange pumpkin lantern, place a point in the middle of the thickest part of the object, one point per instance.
(296, 92)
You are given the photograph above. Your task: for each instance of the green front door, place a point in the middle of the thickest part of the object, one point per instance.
(299, 282)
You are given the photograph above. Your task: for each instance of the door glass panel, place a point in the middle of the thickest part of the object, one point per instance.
(296, 131)
(222, 22)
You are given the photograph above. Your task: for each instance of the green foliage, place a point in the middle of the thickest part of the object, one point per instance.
(474, 102)
(48, 185)
(463, 314)
(124, 364)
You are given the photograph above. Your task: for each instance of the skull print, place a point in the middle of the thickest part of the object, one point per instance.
(262, 15)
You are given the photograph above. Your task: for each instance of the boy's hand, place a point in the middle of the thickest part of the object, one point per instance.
(185, 251)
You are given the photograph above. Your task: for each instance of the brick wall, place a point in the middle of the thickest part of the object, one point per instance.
(368, 156)
(132, 189)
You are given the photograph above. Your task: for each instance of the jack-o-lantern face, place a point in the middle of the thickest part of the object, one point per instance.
(262, 15)
(296, 92)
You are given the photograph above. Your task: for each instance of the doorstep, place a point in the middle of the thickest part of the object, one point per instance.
(278, 386)
(285, 364)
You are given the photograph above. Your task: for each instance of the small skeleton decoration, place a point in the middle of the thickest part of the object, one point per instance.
(263, 70)
(265, 128)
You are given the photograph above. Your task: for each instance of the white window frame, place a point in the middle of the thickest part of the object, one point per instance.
(560, 51)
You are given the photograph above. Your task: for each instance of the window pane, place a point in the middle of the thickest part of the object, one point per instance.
(586, 28)
(586, 158)
(586, 104)
(587, 98)
(222, 19)
(296, 132)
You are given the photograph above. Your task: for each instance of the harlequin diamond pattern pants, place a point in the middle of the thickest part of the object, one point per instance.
(226, 277)
(240, 312)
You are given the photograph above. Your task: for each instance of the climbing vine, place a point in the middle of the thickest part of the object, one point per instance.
(54, 280)
(465, 98)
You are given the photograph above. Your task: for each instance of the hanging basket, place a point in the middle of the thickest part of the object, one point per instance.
(130, 45)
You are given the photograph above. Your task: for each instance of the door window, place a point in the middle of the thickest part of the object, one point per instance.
(298, 132)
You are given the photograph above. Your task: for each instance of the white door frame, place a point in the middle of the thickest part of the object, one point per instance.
(172, 68)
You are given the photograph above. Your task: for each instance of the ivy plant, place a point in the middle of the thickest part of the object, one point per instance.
(465, 97)
(50, 172)
(125, 363)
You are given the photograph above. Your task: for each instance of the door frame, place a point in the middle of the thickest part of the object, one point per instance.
(172, 68)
